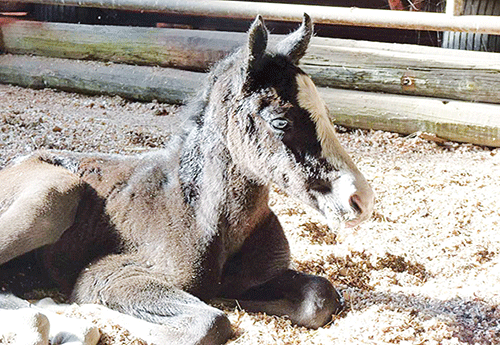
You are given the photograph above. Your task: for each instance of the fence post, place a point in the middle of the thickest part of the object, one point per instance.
(454, 7)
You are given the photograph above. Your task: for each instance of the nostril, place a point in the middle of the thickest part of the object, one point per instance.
(355, 202)
(361, 203)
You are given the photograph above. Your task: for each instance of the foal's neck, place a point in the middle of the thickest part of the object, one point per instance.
(215, 187)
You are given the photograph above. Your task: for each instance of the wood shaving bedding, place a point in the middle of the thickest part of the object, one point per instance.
(425, 269)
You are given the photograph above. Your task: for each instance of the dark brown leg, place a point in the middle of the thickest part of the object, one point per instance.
(307, 300)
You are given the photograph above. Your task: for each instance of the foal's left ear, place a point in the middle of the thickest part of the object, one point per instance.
(295, 45)
(257, 41)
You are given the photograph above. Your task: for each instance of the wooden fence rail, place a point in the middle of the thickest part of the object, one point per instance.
(368, 66)
(476, 123)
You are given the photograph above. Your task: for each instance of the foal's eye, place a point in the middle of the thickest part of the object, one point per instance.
(279, 123)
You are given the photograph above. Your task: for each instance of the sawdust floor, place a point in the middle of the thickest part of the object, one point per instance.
(425, 269)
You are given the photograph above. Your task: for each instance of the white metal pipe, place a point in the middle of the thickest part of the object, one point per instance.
(293, 12)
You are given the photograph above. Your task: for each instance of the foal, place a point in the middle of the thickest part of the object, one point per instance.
(156, 235)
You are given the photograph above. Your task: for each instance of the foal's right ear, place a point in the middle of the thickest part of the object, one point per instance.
(257, 41)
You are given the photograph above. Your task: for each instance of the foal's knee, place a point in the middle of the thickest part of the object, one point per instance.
(320, 301)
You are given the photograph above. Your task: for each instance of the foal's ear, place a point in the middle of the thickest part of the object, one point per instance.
(295, 45)
(257, 41)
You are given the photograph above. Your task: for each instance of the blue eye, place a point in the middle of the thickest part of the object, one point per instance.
(279, 123)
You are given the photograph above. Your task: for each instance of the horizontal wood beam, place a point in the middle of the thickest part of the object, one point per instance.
(475, 123)
(185, 49)
(404, 69)
(369, 66)
(140, 83)
(292, 12)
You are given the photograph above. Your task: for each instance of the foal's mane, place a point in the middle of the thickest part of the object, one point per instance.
(195, 108)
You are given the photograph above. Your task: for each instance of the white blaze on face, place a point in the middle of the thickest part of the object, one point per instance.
(309, 99)
(350, 184)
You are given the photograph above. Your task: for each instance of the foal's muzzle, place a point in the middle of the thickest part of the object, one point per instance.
(362, 207)
(350, 201)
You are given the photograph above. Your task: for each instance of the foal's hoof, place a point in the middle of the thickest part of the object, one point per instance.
(320, 303)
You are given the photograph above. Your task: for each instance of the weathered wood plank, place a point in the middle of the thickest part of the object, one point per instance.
(141, 83)
(476, 123)
(369, 66)
(405, 69)
(186, 49)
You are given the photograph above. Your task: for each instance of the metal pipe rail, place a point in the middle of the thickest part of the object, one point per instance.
(293, 12)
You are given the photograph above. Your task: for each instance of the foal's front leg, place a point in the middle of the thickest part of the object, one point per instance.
(307, 300)
(260, 279)
(119, 282)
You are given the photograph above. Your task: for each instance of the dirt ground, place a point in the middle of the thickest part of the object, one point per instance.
(425, 269)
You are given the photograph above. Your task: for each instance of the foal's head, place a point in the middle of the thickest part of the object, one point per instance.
(279, 131)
